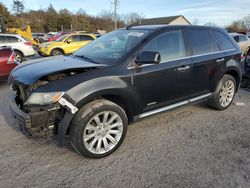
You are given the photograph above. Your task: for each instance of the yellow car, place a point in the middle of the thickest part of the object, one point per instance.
(66, 44)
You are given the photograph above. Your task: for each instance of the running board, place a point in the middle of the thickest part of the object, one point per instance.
(165, 108)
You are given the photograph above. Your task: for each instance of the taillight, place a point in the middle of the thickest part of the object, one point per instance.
(12, 58)
(28, 43)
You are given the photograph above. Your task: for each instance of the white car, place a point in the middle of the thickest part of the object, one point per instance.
(21, 46)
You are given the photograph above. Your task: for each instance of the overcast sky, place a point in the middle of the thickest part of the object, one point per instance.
(221, 12)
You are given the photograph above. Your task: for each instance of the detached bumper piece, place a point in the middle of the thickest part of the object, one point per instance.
(34, 122)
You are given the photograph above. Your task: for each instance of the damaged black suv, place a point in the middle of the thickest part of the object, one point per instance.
(128, 74)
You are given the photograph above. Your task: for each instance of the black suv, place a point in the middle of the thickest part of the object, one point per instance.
(121, 77)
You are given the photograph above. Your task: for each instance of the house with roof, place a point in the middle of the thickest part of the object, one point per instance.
(171, 20)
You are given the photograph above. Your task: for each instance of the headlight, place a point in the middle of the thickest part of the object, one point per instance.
(44, 98)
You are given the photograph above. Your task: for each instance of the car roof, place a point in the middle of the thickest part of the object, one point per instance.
(236, 34)
(72, 34)
(9, 34)
(158, 27)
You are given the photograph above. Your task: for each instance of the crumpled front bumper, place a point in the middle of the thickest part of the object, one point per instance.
(34, 122)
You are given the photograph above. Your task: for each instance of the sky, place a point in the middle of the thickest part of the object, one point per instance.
(220, 12)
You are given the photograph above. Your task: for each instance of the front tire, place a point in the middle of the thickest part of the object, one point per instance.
(98, 129)
(224, 93)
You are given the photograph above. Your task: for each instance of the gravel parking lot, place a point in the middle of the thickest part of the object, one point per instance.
(193, 146)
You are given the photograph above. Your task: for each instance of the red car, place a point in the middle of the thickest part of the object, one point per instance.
(7, 62)
(53, 38)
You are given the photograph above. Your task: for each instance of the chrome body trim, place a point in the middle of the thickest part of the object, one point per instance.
(165, 108)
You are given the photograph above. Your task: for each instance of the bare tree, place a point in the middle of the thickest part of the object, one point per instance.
(18, 8)
(132, 17)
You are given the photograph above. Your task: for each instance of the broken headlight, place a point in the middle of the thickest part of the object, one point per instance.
(39, 98)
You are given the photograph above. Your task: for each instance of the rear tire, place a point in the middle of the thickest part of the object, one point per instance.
(98, 129)
(224, 93)
(19, 57)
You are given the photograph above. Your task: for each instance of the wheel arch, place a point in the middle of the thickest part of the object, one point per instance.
(236, 76)
(56, 48)
(17, 50)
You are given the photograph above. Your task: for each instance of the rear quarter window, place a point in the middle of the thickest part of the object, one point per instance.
(223, 41)
(200, 41)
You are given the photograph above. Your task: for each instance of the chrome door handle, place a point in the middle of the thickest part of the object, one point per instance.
(220, 60)
(183, 68)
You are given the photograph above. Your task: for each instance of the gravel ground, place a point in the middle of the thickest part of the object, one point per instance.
(192, 146)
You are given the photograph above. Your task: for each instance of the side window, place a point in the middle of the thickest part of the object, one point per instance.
(4, 39)
(170, 45)
(13, 39)
(236, 38)
(76, 38)
(223, 41)
(200, 41)
(242, 38)
(86, 38)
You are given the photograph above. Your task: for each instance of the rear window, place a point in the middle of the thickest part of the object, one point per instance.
(200, 41)
(223, 41)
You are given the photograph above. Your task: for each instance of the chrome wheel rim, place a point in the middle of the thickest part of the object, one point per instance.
(227, 93)
(18, 58)
(57, 53)
(103, 132)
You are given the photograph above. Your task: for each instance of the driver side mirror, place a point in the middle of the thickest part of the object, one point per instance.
(69, 41)
(148, 57)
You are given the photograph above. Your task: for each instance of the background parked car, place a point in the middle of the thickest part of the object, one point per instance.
(242, 40)
(21, 46)
(66, 44)
(7, 62)
(42, 37)
(244, 43)
(55, 37)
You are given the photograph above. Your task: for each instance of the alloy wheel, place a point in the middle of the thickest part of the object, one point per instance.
(103, 132)
(227, 93)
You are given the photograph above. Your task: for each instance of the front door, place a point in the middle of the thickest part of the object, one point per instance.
(169, 81)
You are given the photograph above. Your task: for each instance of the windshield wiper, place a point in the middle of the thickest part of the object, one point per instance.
(86, 58)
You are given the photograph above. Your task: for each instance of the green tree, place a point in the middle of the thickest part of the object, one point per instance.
(51, 20)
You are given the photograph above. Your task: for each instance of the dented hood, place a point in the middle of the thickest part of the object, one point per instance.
(31, 71)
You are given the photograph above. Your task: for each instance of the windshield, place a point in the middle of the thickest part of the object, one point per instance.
(60, 39)
(112, 46)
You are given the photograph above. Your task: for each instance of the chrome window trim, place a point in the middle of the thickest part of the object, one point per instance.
(169, 107)
(183, 58)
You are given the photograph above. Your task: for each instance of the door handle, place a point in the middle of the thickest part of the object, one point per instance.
(220, 60)
(183, 68)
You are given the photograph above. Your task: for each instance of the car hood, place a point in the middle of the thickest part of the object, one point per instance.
(31, 71)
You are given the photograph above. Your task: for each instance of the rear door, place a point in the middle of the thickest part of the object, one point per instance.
(206, 57)
(169, 81)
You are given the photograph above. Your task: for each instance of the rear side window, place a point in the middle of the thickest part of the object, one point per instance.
(4, 39)
(200, 41)
(170, 45)
(223, 41)
(13, 39)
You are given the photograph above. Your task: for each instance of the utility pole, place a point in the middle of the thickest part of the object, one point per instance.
(116, 4)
